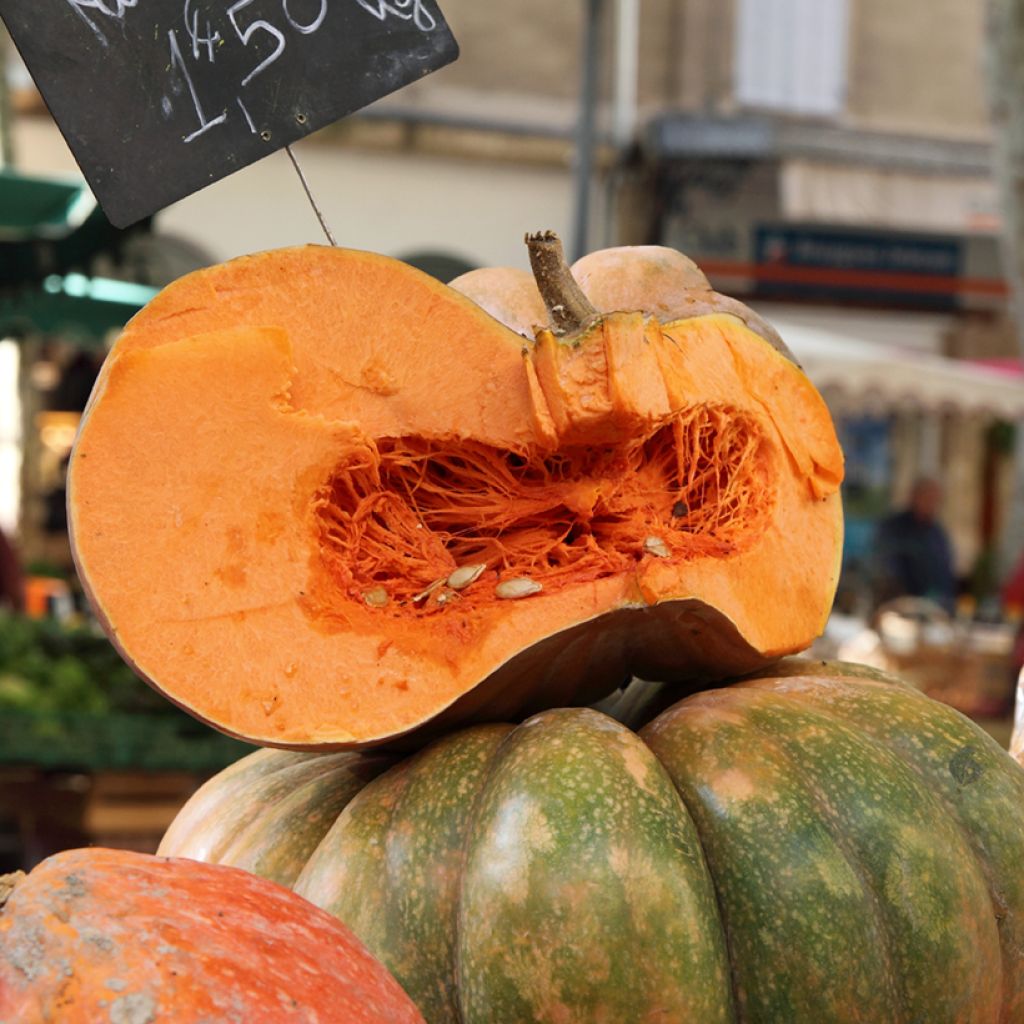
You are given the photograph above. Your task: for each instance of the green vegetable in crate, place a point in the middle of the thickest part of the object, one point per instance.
(809, 847)
(49, 668)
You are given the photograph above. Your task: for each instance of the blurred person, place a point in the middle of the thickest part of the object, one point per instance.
(12, 580)
(913, 555)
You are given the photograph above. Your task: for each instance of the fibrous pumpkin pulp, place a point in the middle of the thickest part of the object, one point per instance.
(110, 935)
(322, 500)
(805, 848)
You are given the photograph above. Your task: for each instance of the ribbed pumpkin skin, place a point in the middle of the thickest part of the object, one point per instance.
(833, 849)
(98, 935)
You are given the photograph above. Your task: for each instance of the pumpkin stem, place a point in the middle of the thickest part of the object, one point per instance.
(569, 308)
(8, 883)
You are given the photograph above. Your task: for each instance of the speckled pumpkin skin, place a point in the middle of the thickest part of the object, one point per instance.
(813, 847)
(97, 936)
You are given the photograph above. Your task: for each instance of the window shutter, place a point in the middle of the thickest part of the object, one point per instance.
(791, 55)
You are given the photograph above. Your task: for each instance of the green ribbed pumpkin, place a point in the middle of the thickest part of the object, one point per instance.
(807, 848)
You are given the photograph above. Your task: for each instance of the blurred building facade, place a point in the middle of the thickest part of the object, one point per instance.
(843, 112)
(829, 162)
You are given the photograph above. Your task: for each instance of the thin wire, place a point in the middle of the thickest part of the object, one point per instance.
(309, 194)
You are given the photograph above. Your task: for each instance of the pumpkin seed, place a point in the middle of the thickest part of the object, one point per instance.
(521, 586)
(424, 594)
(445, 596)
(656, 546)
(464, 575)
(376, 597)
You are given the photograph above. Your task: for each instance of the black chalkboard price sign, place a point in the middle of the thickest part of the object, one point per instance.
(158, 98)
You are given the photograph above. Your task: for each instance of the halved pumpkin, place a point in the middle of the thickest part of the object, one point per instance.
(321, 500)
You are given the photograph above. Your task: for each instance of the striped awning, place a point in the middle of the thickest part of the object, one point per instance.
(869, 376)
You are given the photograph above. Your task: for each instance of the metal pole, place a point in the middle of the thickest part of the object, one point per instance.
(1006, 95)
(627, 63)
(585, 127)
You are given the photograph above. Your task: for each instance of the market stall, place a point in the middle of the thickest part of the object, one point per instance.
(87, 754)
(904, 413)
(857, 374)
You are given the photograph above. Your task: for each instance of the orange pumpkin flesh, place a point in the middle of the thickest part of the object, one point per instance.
(287, 456)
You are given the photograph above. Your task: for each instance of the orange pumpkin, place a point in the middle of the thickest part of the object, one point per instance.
(111, 935)
(321, 500)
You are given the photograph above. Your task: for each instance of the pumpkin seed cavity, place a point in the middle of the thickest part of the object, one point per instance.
(402, 517)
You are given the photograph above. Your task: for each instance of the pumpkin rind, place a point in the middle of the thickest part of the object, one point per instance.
(664, 283)
(97, 935)
(312, 405)
(972, 777)
(863, 842)
(823, 846)
(288, 796)
(581, 851)
(393, 862)
(510, 295)
(282, 834)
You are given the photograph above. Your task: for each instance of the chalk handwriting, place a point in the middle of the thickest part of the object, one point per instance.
(192, 27)
(305, 27)
(111, 8)
(247, 32)
(248, 117)
(268, 40)
(177, 60)
(407, 10)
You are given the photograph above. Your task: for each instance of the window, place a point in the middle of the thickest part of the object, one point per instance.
(791, 55)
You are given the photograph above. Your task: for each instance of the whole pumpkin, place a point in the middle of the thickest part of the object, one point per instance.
(110, 935)
(312, 467)
(805, 848)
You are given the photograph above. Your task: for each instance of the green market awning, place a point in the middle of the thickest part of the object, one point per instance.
(50, 226)
(51, 231)
(84, 309)
(31, 207)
